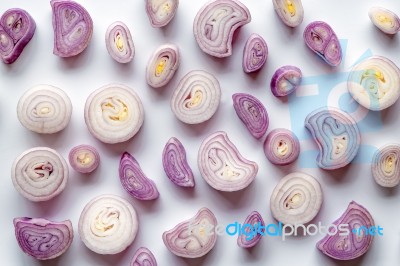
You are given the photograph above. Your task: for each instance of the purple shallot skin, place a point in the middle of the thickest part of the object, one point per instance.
(285, 80)
(255, 53)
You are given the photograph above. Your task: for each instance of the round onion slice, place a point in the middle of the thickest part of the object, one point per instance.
(285, 80)
(296, 199)
(255, 53)
(161, 12)
(281, 147)
(134, 180)
(119, 42)
(192, 238)
(252, 113)
(322, 40)
(143, 257)
(291, 12)
(215, 24)
(84, 158)
(43, 239)
(114, 113)
(222, 166)
(175, 164)
(385, 165)
(73, 28)
(108, 224)
(44, 109)
(337, 136)
(375, 83)
(162, 65)
(17, 28)
(197, 97)
(249, 240)
(39, 174)
(386, 20)
(357, 242)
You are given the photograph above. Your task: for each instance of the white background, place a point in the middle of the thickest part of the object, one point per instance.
(81, 75)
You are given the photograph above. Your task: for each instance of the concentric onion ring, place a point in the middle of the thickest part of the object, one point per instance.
(285, 80)
(255, 53)
(197, 97)
(251, 238)
(384, 19)
(143, 257)
(357, 242)
(291, 12)
(385, 165)
(215, 24)
(44, 109)
(17, 28)
(108, 224)
(43, 239)
(175, 164)
(322, 40)
(281, 147)
(296, 199)
(337, 136)
(192, 238)
(162, 65)
(114, 113)
(222, 166)
(84, 158)
(119, 42)
(39, 174)
(252, 113)
(375, 83)
(73, 28)
(161, 12)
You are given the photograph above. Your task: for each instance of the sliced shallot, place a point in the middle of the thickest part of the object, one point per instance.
(255, 53)
(251, 237)
(384, 19)
(291, 12)
(385, 165)
(161, 12)
(143, 257)
(84, 158)
(285, 80)
(119, 42)
(281, 147)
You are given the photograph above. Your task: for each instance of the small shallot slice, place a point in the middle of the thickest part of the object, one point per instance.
(84, 158)
(43, 239)
(255, 53)
(291, 12)
(354, 244)
(197, 97)
(285, 80)
(17, 28)
(175, 164)
(251, 237)
(385, 165)
(39, 174)
(134, 181)
(296, 199)
(119, 42)
(73, 28)
(161, 12)
(108, 224)
(143, 257)
(215, 24)
(337, 136)
(162, 65)
(384, 19)
(44, 109)
(192, 238)
(281, 147)
(222, 166)
(114, 113)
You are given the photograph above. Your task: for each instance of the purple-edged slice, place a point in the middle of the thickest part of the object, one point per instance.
(251, 237)
(161, 12)
(143, 257)
(285, 80)
(255, 53)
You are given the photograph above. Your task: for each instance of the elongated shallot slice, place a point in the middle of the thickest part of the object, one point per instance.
(119, 42)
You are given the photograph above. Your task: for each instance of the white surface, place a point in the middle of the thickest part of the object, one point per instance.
(94, 68)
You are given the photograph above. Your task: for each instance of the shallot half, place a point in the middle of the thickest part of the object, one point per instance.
(291, 12)
(161, 12)
(143, 257)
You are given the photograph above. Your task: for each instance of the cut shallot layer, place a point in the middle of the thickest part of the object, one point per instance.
(161, 12)
(44, 109)
(291, 12)
(222, 166)
(281, 147)
(337, 136)
(143, 257)
(251, 236)
(384, 19)
(114, 113)
(385, 165)
(39, 174)
(356, 243)
(193, 238)
(175, 164)
(296, 199)
(108, 224)
(43, 239)
(255, 53)
(84, 158)
(119, 42)
(285, 80)
(134, 181)
(215, 24)
(17, 28)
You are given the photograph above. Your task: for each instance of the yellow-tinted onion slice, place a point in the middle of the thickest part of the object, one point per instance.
(119, 42)
(192, 238)
(296, 199)
(161, 12)
(222, 166)
(143, 257)
(84, 158)
(385, 165)
(281, 147)
(108, 224)
(384, 19)
(291, 12)
(375, 83)
(114, 113)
